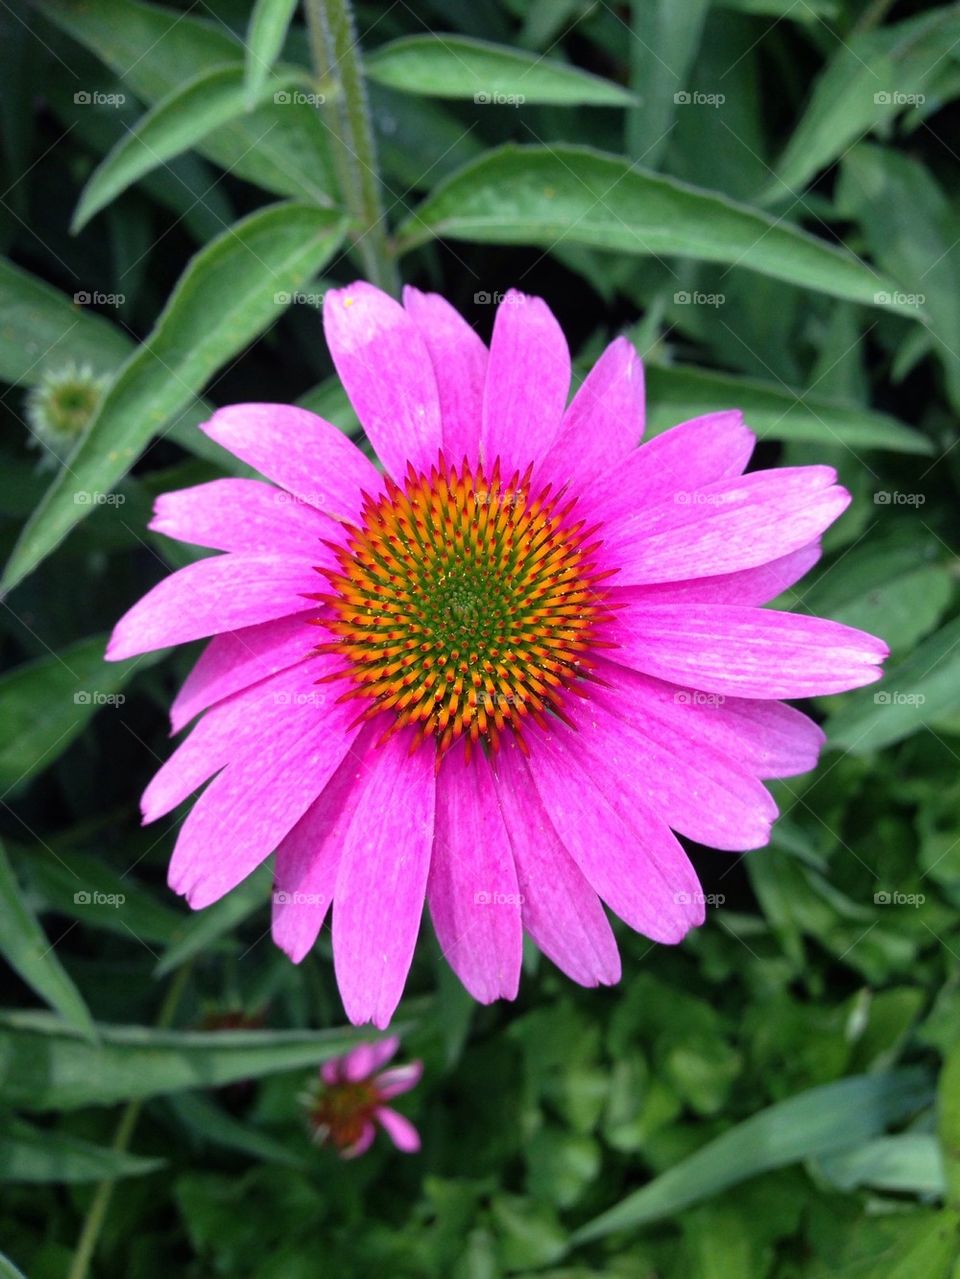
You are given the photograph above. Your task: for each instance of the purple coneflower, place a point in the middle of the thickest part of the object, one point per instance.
(498, 676)
(351, 1101)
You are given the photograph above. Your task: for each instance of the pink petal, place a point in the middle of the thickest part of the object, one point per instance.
(459, 359)
(308, 859)
(241, 515)
(561, 911)
(385, 368)
(757, 585)
(382, 879)
(769, 739)
(640, 763)
(299, 451)
(472, 889)
(746, 652)
(222, 593)
(399, 1079)
(362, 1062)
(724, 527)
(363, 1142)
(627, 853)
(604, 422)
(248, 808)
(239, 724)
(527, 382)
(689, 456)
(399, 1129)
(233, 661)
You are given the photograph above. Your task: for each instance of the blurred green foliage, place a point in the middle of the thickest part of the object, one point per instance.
(762, 194)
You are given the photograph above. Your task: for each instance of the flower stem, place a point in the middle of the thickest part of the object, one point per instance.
(336, 61)
(99, 1205)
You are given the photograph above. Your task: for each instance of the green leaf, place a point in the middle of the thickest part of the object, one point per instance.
(870, 79)
(909, 1163)
(8, 1270)
(280, 146)
(47, 702)
(450, 66)
(230, 292)
(948, 1108)
(825, 1119)
(678, 392)
(24, 946)
(85, 887)
(44, 1066)
(202, 929)
(208, 1123)
(911, 229)
(659, 64)
(44, 1155)
(42, 329)
(893, 591)
(547, 195)
(923, 686)
(266, 33)
(178, 122)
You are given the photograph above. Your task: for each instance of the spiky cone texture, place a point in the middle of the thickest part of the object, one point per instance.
(496, 677)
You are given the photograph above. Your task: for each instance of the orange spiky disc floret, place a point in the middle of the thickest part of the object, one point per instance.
(465, 606)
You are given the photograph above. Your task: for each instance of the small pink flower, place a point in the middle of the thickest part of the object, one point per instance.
(499, 676)
(344, 1112)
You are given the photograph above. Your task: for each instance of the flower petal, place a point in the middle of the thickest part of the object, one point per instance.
(745, 652)
(528, 378)
(472, 888)
(241, 515)
(385, 368)
(364, 1060)
(247, 809)
(382, 879)
(757, 585)
(727, 526)
(237, 659)
(687, 457)
(604, 422)
(222, 593)
(239, 724)
(560, 910)
(399, 1079)
(627, 853)
(399, 1129)
(363, 1142)
(459, 359)
(767, 738)
(644, 763)
(301, 452)
(307, 861)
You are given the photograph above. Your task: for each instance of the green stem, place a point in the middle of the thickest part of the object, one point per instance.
(99, 1205)
(336, 63)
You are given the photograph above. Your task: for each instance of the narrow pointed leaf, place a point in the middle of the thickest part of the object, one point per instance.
(545, 195)
(231, 291)
(448, 66)
(26, 949)
(178, 122)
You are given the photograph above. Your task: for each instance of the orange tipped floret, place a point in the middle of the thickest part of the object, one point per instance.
(465, 606)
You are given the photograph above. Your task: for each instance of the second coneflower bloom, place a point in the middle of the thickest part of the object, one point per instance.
(498, 676)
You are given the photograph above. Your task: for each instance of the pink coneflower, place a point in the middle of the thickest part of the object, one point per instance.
(351, 1101)
(499, 676)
